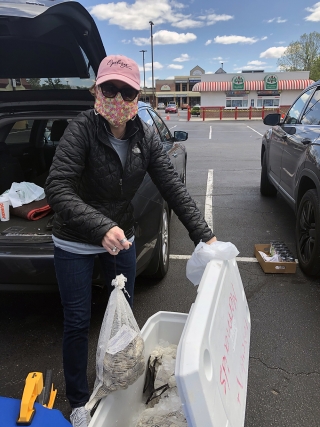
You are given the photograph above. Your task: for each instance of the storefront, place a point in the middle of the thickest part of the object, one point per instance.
(255, 89)
(180, 89)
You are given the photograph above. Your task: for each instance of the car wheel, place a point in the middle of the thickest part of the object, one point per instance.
(163, 246)
(266, 188)
(308, 233)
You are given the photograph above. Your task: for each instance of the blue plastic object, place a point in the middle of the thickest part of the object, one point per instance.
(9, 413)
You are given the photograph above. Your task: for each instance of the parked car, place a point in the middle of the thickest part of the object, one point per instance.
(195, 110)
(171, 108)
(49, 93)
(290, 160)
(184, 106)
(161, 106)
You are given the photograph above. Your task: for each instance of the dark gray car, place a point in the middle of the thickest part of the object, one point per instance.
(49, 59)
(290, 159)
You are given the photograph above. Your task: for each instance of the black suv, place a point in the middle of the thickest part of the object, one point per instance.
(290, 159)
(49, 59)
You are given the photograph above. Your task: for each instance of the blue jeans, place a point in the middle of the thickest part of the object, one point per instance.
(74, 275)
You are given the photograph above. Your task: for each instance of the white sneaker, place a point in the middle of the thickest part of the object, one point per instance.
(80, 417)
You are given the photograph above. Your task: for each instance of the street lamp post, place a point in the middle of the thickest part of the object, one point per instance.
(151, 24)
(144, 76)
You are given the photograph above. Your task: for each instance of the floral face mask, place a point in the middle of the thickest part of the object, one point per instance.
(115, 110)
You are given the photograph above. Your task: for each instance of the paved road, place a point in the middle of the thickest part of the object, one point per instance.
(284, 368)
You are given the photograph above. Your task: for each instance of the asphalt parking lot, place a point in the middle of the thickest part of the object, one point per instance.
(284, 371)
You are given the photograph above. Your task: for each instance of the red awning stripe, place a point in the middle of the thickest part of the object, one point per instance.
(253, 85)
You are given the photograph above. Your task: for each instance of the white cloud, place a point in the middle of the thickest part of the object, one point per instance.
(125, 41)
(315, 13)
(278, 20)
(264, 38)
(188, 23)
(175, 66)
(213, 18)
(234, 39)
(148, 66)
(218, 58)
(273, 52)
(136, 16)
(209, 72)
(257, 63)
(169, 78)
(182, 58)
(166, 37)
(208, 42)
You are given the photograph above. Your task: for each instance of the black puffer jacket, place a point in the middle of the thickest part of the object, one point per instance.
(90, 192)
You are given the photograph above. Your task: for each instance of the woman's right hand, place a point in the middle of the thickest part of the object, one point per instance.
(115, 240)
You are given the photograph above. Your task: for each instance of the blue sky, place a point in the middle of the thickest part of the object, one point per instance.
(241, 35)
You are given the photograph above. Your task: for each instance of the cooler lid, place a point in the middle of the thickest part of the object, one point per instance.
(213, 352)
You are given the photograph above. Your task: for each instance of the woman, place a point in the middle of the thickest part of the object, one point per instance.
(99, 164)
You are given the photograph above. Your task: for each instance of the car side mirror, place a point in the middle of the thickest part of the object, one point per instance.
(272, 119)
(180, 135)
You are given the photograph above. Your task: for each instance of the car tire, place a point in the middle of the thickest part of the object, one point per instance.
(163, 245)
(308, 233)
(266, 188)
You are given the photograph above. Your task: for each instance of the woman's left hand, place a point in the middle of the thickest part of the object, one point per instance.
(214, 239)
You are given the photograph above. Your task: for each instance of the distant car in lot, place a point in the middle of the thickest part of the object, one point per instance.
(195, 110)
(290, 160)
(184, 106)
(32, 121)
(171, 108)
(161, 106)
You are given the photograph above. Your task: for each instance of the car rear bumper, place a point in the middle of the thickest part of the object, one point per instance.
(27, 267)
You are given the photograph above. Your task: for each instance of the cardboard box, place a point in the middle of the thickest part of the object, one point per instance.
(273, 267)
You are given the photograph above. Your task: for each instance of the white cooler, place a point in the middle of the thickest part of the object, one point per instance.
(212, 359)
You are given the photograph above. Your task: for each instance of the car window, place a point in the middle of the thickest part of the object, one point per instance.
(163, 130)
(20, 132)
(312, 113)
(297, 108)
(145, 116)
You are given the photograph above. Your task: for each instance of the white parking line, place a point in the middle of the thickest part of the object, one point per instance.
(173, 127)
(210, 132)
(208, 211)
(255, 131)
(239, 259)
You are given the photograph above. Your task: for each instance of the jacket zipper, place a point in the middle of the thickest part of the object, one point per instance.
(120, 183)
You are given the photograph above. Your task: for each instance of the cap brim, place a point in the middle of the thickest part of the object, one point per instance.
(119, 77)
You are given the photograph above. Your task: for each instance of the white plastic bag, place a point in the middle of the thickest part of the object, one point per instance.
(166, 413)
(120, 351)
(204, 253)
(23, 192)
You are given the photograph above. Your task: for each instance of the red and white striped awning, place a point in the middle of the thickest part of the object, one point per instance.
(253, 85)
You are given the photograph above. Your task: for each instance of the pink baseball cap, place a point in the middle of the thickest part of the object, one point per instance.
(119, 67)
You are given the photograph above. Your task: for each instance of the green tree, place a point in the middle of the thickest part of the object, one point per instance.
(315, 70)
(301, 55)
(34, 83)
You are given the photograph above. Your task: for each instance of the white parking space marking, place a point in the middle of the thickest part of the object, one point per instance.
(173, 127)
(210, 132)
(255, 131)
(238, 259)
(208, 211)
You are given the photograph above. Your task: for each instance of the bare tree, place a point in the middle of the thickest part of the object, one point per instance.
(300, 55)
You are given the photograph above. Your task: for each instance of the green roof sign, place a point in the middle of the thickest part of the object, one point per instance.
(271, 82)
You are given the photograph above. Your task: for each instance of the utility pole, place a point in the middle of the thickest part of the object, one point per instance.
(151, 24)
(144, 75)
